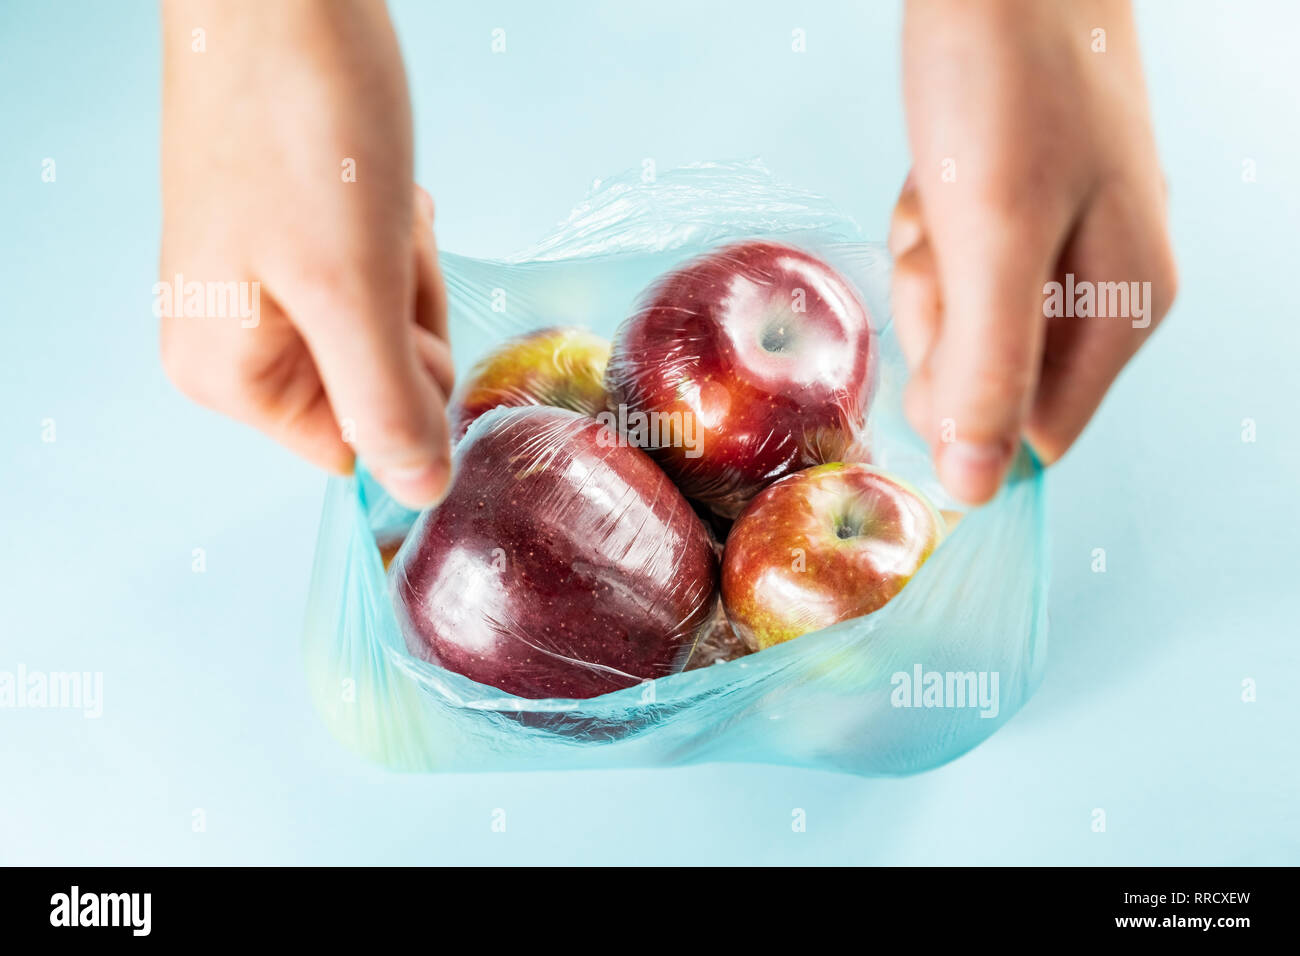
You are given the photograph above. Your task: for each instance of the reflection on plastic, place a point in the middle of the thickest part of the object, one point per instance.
(894, 692)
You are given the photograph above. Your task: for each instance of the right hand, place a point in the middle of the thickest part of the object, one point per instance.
(1052, 171)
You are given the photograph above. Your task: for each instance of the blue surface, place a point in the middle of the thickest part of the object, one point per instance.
(205, 702)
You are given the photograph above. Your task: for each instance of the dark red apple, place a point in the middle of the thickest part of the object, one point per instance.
(562, 563)
(821, 546)
(559, 366)
(763, 352)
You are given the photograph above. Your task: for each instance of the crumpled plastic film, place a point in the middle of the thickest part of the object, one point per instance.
(911, 686)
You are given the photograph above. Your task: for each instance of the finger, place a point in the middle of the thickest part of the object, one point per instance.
(281, 392)
(435, 353)
(431, 287)
(310, 430)
(983, 366)
(906, 226)
(1121, 254)
(915, 302)
(363, 342)
(262, 375)
(998, 199)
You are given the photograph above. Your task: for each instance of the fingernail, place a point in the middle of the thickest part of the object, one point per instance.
(972, 471)
(419, 486)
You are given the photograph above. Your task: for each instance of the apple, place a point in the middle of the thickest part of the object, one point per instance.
(388, 548)
(823, 545)
(560, 564)
(764, 352)
(950, 519)
(559, 366)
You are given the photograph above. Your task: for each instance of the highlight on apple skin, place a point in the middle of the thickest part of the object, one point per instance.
(559, 564)
(768, 348)
(559, 366)
(827, 544)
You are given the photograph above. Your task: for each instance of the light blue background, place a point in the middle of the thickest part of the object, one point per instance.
(205, 700)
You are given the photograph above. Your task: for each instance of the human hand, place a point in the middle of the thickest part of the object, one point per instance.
(1033, 158)
(349, 350)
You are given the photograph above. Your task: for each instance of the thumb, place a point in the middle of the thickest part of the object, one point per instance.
(385, 398)
(977, 383)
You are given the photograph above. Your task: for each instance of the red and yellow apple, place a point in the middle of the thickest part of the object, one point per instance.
(560, 563)
(766, 351)
(830, 543)
(561, 366)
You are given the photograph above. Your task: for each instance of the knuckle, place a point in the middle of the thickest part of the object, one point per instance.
(395, 439)
(994, 399)
(1001, 388)
(1007, 190)
(1022, 202)
(179, 364)
(332, 298)
(321, 285)
(998, 203)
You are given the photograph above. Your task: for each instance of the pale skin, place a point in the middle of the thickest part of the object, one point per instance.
(352, 342)
(1055, 171)
(1052, 170)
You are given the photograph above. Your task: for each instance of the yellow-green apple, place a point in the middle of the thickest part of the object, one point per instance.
(764, 351)
(560, 563)
(559, 366)
(833, 542)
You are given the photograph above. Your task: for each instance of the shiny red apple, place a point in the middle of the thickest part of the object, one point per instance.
(560, 564)
(830, 543)
(764, 352)
(559, 366)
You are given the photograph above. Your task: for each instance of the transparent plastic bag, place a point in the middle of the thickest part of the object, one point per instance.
(922, 680)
